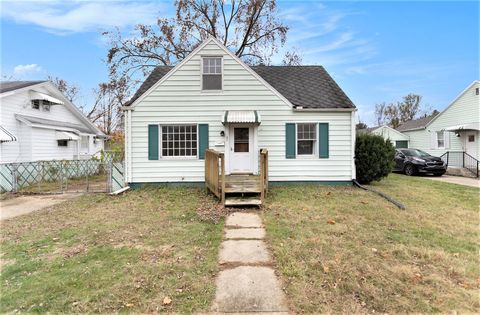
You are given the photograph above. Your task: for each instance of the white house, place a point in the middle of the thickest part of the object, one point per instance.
(455, 130)
(213, 100)
(38, 123)
(398, 139)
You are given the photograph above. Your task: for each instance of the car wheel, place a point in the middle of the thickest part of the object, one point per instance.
(410, 170)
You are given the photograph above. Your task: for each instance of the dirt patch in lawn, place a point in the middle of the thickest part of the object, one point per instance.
(345, 250)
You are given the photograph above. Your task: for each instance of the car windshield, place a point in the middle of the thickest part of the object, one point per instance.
(415, 152)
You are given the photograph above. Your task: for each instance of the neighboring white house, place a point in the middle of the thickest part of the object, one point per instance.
(398, 139)
(214, 100)
(456, 129)
(38, 123)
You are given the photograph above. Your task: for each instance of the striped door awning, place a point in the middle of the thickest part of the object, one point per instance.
(241, 117)
(6, 136)
(65, 135)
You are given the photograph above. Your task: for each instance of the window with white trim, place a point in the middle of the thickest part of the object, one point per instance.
(306, 138)
(440, 139)
(84, 142)
(212, 73)
(179, 140)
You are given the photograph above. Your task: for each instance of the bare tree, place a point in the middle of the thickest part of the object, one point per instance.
(70, 91)
(292, 58)
(394, 114)
(109, 98)
(249, 28)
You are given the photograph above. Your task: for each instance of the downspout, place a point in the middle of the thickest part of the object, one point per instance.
(388, 198)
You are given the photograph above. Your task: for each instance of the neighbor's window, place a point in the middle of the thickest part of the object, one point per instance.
(62, 143)
(179, 140)
(84, 142)
(471, 138)
(36, 104)
(306, 138)
(212, 73)
(440, 140)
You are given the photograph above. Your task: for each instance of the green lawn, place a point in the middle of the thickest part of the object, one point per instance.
(337, 250)
(345, 250)
(107, 254)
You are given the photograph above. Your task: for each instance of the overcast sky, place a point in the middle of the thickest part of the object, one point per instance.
(376, 51)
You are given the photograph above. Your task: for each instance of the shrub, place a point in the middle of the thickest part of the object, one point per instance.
(373, 157)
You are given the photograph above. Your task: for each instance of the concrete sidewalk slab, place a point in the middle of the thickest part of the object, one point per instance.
(25, 204)
(249, 289)
(250, 233)
(243, 220)
(465, 181)
(244, 251)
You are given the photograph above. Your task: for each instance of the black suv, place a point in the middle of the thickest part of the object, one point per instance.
(413, 161)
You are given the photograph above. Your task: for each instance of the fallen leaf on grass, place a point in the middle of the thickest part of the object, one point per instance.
(326, 269)
(129, 304)
(167, 300)
(331, 222)
(374, 250)
(364, 202)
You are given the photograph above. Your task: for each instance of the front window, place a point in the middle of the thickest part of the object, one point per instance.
(212, 73)
(440, 140)
(306, 138)
(179, 140)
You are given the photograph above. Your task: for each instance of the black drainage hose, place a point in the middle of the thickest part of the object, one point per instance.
(398, 204)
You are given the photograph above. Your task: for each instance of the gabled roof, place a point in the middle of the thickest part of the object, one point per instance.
(50, 122)
(304, 87)
(12, 87)
(7, 86)
(415, 124)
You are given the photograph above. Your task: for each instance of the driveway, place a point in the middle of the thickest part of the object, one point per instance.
(16, 206)
(465, 181)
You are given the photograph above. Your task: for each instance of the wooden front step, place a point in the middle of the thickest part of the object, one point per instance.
(243, 201)
(243, 184)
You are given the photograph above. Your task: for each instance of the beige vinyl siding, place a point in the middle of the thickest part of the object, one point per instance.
(179, 99)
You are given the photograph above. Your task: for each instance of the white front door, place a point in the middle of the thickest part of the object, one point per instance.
(471, 141)
(241, 149)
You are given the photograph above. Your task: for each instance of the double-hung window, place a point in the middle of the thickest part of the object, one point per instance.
(179, 140)
(84, 143)
(440, 139)
(212, 73)
(306, 138)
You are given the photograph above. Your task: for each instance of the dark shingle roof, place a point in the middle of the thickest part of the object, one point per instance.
(415, 124)
(305, 86)
(7, 86)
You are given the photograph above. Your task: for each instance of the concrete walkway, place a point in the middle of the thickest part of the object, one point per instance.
(465, 181)
(16, 206)
(247, 282)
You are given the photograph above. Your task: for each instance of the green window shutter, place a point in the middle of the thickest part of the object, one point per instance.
(323, 140)
(202, 140)
(153, 142)
(290, 140)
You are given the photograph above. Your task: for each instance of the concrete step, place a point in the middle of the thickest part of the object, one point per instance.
(458, 171)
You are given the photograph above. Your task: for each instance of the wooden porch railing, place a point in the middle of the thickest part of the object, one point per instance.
(215, 173)
(263, 173)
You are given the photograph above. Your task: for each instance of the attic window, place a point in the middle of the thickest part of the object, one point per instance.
(212, 73)
(476, 91)
(36, 104)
